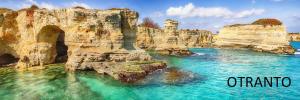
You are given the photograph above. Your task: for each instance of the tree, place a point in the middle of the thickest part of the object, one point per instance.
(148, 22)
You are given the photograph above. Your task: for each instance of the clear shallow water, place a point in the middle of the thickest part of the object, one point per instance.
(214, 65)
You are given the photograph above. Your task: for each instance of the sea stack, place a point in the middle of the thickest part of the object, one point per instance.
(171, 40)
(294, 36)
(268, 35)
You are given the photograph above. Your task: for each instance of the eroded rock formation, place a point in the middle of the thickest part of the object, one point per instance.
(171, 44)
(6, 59)
(294, 36)
(105, 40)
(172, 41)
(263, 35)
(122, 65)
(196, 38)
(86, 36)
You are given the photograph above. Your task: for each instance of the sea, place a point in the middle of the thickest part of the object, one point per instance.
(213, 66)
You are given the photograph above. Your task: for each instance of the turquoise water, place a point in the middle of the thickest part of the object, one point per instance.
(295, 45)
(213, 65)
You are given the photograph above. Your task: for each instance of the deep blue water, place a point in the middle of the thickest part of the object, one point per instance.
(295, 45)
(213, 65)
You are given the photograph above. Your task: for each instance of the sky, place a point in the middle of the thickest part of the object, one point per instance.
(191, 14)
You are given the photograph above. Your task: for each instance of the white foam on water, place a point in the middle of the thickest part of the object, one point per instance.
(297, 53)
(198, 54)
(298, 49)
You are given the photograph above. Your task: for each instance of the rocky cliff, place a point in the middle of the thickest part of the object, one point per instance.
(40, 36)
(170, 40)
(294, 36)
(109, 42)
(262, 35)
(196, 38)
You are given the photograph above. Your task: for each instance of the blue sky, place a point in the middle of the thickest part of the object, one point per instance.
(194, 14)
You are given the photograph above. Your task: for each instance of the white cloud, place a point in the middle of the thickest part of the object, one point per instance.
(31, 1)
(50, 6)
(47, 5)
(194, 24)
(190, 10)
(42, 5)
(251, 12)
(217, 26)
(73, 4)
(157, 14)
(24, 5)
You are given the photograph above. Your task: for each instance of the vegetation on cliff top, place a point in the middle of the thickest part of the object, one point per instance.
(148, 22)
(118, 9)
(31, 8)
(3, 10)
(295, 33)
(79, 7)
(267, 21)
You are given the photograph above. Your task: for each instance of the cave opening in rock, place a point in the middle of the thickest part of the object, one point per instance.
(8, 59)
(129, 40)
(61, 49)
(52, 34)
(129, 35)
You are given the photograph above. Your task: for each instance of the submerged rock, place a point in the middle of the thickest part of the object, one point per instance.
(137, 71)
(176, 52)
(176, 76)
(172, 76)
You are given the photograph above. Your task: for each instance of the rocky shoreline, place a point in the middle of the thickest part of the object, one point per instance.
(123, 66)
(110, 41)
(294, 36)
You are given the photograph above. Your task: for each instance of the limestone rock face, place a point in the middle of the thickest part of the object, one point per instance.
(172, 41)
(32, 34)
(266, 37)
(148, 38)
(196, 38)
(100, 40)
(165, 41)
(294, 36)
(122, 65)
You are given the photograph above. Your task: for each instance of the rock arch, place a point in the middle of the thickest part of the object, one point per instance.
(44, 50)
(129, 39)
(6, 59)
(55, 37)
(7, 54)
(61, 48)
(49, 33)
